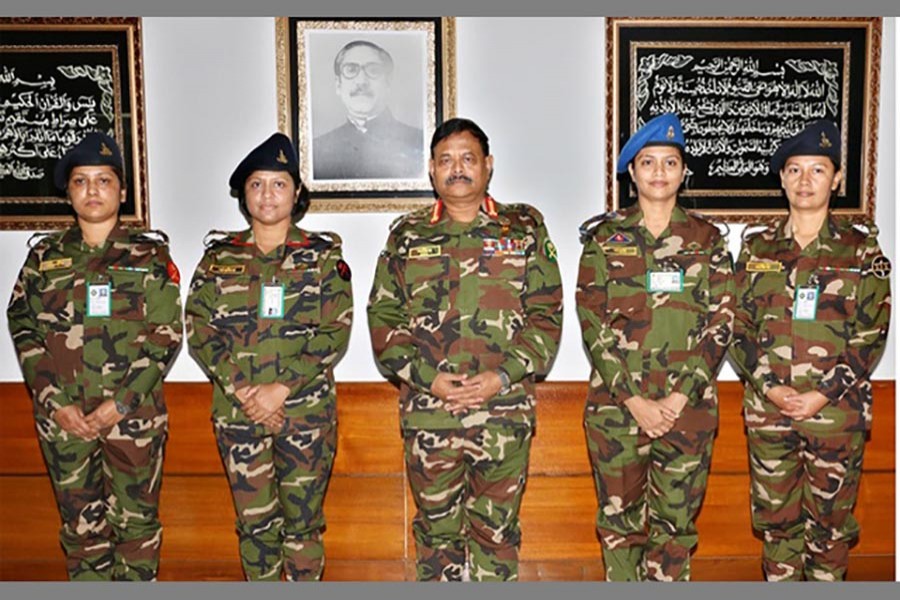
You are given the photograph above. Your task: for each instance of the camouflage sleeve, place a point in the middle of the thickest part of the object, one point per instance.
(699, 371)
(868, 332)
(325, 348)
(389, 324)
(533, 348)
(209, 345)
(163, 335)
(38, 367)
(601, 339)
(750, 358)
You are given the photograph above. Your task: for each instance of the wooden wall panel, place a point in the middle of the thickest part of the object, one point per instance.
(369, 508)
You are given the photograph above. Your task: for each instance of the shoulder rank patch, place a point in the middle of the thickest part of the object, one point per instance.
(58, 263)
(343, 270)
(764, 266)
(424, 252)
(881, 267)
(550, 250)
(173, 272)
(217, 269)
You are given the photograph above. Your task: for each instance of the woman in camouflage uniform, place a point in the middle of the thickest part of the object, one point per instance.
(655, 298)
(268, 316)
(96, 320)
(810, 325)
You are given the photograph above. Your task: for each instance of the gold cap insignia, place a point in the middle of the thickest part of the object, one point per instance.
(104, 149)
(670, 134)
(281, 157)
(824, 142)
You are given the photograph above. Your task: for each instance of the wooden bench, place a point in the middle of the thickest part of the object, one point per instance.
(369, 508)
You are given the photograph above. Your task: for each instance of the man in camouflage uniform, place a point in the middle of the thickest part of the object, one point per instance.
(811, 323)
(277, 455)
(96, 318)
(656, 312)
(465, 311)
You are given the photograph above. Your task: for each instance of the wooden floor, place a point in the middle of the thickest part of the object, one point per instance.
(369, 508)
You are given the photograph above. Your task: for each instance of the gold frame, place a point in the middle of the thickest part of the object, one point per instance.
(137, 151)
(365, 195)
(871, 83)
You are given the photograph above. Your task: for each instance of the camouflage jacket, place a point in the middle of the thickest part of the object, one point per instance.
(239, 347)
(652, 343)
(69, 357)
(467, 298)
(836, 352)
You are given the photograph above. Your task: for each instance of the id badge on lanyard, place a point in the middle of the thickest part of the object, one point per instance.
(271, 301)
(806, 301)
(99, 299)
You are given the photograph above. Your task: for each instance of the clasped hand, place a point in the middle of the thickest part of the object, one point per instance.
(264, 404)
(461, 392)
(657, 417)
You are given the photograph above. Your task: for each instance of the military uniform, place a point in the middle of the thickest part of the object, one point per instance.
(92, 324)
(805, 474)
(466, 298)
(648, 341)
(278, 481)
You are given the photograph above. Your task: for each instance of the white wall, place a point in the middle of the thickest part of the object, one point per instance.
(535, 85)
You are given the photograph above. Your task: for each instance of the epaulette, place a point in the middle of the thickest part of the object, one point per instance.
(528, 210)
(328, 236)
(216, 237)
(589, 227)
(867, 228)
(753, 230)
(37, 238)
(154, 236)
(423, 213)
(717, 224)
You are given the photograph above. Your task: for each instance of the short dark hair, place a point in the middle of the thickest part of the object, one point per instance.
(384, 54)
(297, 211)
(459, 125)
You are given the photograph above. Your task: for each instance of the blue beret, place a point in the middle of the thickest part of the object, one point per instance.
(822, 138)
(275, 154)
(664, 130)
(95, 149)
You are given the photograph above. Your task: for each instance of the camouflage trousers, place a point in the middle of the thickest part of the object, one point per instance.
(649, 494)
(107, 493)
(802, 490)
(468, 487)
(278, 485)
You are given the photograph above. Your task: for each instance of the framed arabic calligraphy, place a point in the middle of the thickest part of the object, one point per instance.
(61, 78)
(741, 86)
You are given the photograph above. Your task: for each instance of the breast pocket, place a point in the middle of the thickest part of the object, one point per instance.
(57, 308)
(303, 296)
(427, 289)
(501, 280)
(694, 294)
(626, 289)
(129, 300)
(231, 307)
(838, 290)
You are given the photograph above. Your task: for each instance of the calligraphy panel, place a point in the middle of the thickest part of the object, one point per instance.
(61, 78)
(741, 87)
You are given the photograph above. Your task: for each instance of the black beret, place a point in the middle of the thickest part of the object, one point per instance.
(96, 148)
(821, 138)
(275, 154)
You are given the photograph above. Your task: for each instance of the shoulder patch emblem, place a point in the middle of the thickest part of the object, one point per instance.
(172, 270)
(881, 267)
(343, 270)
(52, 265)
(550, 250)
(619, 238)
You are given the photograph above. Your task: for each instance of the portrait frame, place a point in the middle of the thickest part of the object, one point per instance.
(35, 203)
(309, 107)
(664, 63)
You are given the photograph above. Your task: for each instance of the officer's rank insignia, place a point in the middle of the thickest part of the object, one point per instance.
(764, 266)
(619, 238)
(550, 250)
(281, 157)
(52, 265)
(620, 250)
(104, 150)
(343, 270)
(425, 252)
(881, 267)
(217, 269)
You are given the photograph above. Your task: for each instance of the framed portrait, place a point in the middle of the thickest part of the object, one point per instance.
(361, 99)
(741, 86)
(61, 78)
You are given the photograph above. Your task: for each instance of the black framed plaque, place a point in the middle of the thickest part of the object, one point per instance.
(61, 78)
(740, 87)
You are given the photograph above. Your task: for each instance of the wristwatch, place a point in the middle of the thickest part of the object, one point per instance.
(121, 408)
(504, 381)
